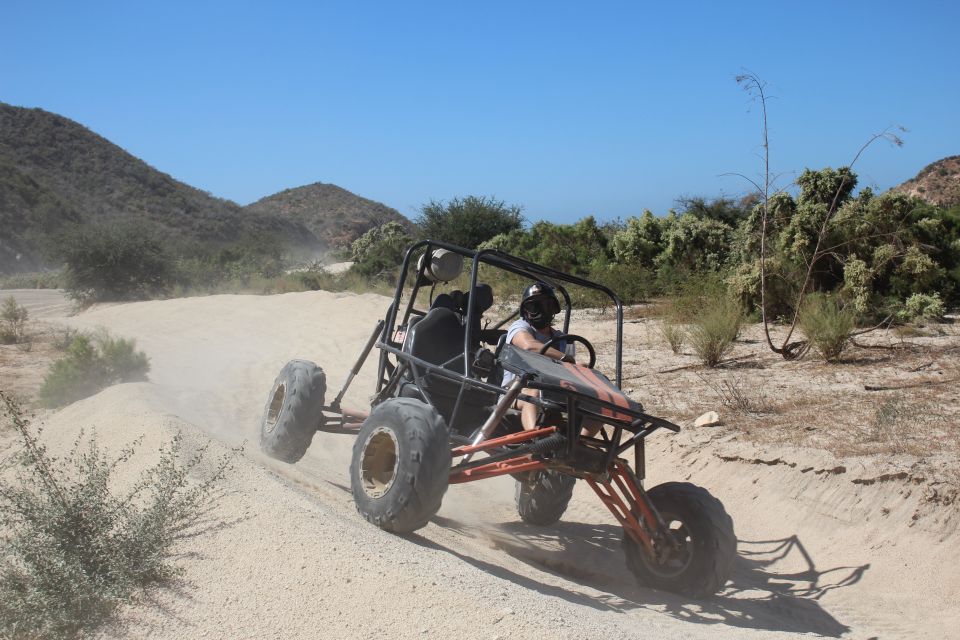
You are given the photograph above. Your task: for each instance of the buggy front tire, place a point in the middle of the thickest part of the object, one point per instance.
(707, 543)
(400, 468)
(542, 496)
(293, 412)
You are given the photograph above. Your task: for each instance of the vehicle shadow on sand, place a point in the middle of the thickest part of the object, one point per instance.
(775, 583)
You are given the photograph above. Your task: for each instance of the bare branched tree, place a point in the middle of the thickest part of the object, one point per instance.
(756, 88)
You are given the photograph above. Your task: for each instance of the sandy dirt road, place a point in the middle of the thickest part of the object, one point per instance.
(291, 558)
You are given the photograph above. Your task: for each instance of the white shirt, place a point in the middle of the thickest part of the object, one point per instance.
(522, 325)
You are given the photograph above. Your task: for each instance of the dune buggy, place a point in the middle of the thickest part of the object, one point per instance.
(440, 415)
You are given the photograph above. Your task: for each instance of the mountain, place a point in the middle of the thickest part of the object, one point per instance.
(937, 183)
(29, 214)
(54, 171)
(334, 215)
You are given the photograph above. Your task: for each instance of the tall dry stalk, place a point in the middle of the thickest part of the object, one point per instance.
(756, 88)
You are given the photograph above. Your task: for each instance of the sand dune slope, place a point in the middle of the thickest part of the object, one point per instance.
(287, 556)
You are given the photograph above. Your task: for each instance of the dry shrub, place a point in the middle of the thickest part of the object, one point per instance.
(907, 426)
(13, 322)
(714, 329)
(735, 394)
(673, 334)
(827, 325)
(90, 364)
(74, 550)
(644, 311)
(63, 338)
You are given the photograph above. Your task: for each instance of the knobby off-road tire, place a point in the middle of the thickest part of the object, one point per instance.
(293, 411)
(543, 496)
(709, 548)
(401, 465)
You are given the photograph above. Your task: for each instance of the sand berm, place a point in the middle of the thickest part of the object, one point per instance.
(285, 555)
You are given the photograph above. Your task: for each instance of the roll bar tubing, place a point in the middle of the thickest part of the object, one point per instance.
(507, 262)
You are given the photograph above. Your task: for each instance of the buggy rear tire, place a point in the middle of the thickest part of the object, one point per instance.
(703, 564)
(401, 465)
(293, 411)
(542, 497)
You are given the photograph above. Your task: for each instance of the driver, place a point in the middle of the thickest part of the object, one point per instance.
(532, 330)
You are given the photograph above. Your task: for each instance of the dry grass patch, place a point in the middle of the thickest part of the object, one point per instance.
(673, 335)
(22, 369)
(809, 402)
(827, 326)
(648, 311)
(740, 396)
(900, 425)
(714, 329)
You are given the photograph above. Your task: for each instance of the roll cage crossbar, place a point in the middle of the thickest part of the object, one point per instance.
(501, 260)
(386, 377)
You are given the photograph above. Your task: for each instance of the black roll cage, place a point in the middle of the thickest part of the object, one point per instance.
(495, 258)
(563, 445)
(641, 424)
(573, 452)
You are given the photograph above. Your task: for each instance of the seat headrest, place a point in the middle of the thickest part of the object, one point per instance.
(444, 301)
(482, 297)
(458, 300)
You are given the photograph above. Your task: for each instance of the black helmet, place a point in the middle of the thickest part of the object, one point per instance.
(539, 304)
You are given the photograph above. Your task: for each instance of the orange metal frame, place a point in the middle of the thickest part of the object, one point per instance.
(513, 438)
(515, 465)
(503, 467)
(620, 491)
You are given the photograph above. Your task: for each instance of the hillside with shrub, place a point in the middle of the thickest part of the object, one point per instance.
(334, 215)
(938, 183)
(30, 213)
(55, 172)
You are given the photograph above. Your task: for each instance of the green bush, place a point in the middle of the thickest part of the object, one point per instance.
(697, 243)
(696, 292)
(579, 248)
(632, 282)
(230, 267)
(922, 306)
(75, 550)
(90, 364)
(380, 250)
(115, 262)
(13, 322)
(639, 241)
(827, 325)
(714, 328)
(468, 221)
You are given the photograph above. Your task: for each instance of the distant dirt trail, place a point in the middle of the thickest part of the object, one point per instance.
(295, 560)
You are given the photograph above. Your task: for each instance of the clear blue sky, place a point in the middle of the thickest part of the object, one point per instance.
(566, 108)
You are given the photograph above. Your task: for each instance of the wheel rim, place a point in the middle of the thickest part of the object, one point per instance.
(677, 559)
(378, 468)
(276, 404)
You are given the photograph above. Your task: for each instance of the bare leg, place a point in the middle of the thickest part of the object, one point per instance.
(529, 411)
(590, 427)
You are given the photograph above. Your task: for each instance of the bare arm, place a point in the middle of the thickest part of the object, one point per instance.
(526, 341)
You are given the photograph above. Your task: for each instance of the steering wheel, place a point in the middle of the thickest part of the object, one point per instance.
(572, 338)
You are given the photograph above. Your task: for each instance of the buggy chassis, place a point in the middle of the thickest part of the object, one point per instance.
(569, 394)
